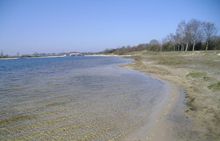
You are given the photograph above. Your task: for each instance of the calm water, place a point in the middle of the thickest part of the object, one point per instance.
(74, 98)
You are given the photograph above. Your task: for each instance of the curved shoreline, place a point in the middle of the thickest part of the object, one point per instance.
(198, 73)
(162, 124)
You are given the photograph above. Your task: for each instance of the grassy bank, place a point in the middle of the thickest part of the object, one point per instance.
(199, 74)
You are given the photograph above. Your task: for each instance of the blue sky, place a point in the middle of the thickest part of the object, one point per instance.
(28, 26)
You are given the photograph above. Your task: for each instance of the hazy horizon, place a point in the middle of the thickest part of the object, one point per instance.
(80, 25)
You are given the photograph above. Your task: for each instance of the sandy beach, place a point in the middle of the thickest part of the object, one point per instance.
(197, 74)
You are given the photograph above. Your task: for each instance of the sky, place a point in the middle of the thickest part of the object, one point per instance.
(28, 26)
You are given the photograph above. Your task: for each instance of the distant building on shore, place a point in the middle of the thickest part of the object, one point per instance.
(74, 54)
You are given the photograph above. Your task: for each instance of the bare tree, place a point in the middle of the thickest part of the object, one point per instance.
(209, 31)
(154, 45)
(194, 32)
(170, 40)
(154, 42)
(189, 34)
(178, 41)
(216, 40)
(183, 35)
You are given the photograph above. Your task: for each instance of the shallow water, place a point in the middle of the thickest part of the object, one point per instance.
(74, 98)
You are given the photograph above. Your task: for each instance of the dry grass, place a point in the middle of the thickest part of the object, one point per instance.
(199, 73)
(215, 86)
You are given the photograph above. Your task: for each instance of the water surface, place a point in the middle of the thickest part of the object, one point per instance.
(74, 98)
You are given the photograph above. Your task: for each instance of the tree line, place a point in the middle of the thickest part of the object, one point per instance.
(189, 36)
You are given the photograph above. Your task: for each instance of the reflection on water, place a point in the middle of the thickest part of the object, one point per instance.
(73, 98)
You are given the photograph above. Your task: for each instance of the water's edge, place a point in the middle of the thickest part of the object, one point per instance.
(169, 122)
(98, 100)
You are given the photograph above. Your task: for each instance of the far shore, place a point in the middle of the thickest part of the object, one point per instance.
(48, 57)
(8, 58)
(95, 55)
(14, 58)
(108, 55)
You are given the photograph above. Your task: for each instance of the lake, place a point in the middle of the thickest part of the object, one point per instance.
(74, 98)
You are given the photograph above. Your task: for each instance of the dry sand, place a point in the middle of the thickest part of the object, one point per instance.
(198, 74)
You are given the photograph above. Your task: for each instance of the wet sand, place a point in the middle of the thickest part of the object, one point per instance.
(157, 127)
(168, 121)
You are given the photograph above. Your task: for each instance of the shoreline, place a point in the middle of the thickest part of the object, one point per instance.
(200, 87)
(8, 58)
(32, 57)
(108, 55)
(161, 121)
(160, 127)
(48, 57)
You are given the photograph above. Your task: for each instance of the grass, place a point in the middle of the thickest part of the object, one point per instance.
(197, 75)
(215, 86)
(171, 60)
(56, 104)
(190, 103)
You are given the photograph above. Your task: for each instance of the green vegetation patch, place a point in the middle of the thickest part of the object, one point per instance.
(56, 104)
(207, 78)
(14, 119)
(190, 103)
(171, 60)
(197, 74)
(215, 86)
